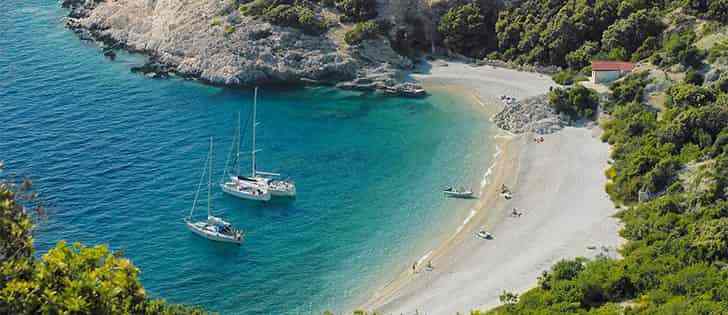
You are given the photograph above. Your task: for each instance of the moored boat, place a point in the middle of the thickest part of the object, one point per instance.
(258, 185)
(214, 228)
(458, 192)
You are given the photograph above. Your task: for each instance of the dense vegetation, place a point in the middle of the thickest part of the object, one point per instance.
(362, 31)
(357, 10)
(577, 102)
(297, 14)
(301, 14)
(466, 28)
(571, 33)
(68, 279)
(676, 258)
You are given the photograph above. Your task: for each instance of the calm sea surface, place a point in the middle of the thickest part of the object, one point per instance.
(117, 157)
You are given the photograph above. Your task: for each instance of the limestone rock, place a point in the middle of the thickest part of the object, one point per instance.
(530, 115)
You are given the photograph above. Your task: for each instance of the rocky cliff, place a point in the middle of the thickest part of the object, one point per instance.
(211, 40)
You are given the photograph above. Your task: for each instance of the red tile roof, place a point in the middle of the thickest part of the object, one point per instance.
(604, 65)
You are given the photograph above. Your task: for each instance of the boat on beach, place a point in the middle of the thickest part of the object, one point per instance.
(214, 228)
(258, 185)
(483, 234)
(458, 192)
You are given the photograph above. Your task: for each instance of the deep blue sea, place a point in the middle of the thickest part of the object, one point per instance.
(117, 157)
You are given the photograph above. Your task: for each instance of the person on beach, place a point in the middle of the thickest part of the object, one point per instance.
(414, 267)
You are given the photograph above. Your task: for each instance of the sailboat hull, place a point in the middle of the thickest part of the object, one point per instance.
(200, 229)
(288, 193)
(232, 190)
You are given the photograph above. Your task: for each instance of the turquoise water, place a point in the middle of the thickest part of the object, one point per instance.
(117, 157)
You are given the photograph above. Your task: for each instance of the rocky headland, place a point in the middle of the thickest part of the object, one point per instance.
(211, 40)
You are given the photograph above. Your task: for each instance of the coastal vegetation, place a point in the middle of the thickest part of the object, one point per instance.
(465, 28)
(357, 10)
(670, 172)
(301, 14)
(69, 278)
(362, 31)
(297, 14)
(577, 102)
(571, 33)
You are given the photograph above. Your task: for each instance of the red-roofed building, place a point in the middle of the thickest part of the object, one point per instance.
(604, 71)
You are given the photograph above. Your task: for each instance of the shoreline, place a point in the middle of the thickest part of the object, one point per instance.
(479, 214)
(457, 283)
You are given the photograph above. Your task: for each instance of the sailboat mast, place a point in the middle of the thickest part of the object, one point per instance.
(255, 105)
(209, 181)
(237, 150)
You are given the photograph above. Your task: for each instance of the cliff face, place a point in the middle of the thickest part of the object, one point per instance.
(211, 40)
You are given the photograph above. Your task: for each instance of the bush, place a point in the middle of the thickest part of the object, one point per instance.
(679, 49)
(721, 85)
(629, 34)
(581, 57)
(630, 88)
(357, 10)
(567, 77)
(684, 95)
(298, 15)
(718, 51)
(577, 101)
(362, 31)
(465, 28)
(68, 279)
(693, 77)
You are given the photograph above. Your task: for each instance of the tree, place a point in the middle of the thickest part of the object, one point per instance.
(67, 279)
(631, 32)
(362, 31)
(465, 29)
(693, 77)
(577, 101)
(683, 95)
(357, 10)
(508, 298)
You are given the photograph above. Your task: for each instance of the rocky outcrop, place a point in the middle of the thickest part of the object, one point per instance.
(549, 70)
(530, 115)
(210, 40)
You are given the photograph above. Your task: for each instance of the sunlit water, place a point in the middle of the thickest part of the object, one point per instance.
(117, 157)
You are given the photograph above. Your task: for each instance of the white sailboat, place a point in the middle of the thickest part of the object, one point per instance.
(214, 228)
(259, 185)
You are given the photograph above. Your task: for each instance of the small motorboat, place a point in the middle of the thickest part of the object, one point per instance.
(458, 192)
(484, 235)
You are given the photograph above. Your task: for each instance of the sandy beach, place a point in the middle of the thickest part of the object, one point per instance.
(557, 185)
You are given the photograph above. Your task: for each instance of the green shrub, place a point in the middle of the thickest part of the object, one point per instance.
(567, 77)
(679, 49)
(68, 279)
(721, 85)
(216, 22)
(718, 51)
(357, 10)
(685, 94)
(581, 57)
(693, 77)
(630, 88)
(362, 31)
(577, 101)
(298, 15)
(465, 28)
(626, 36)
